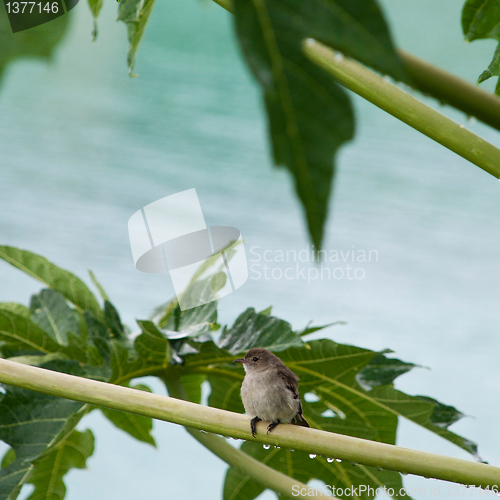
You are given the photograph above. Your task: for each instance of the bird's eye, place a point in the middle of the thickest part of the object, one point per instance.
(255, 358)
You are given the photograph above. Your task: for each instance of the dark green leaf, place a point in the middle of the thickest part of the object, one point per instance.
(309, 116)
(442, 415)
(382, 371)
(135, 14)
(481, 19)
(39, 41)
(72, 287)
(50, 312)
(137, 426)
(29, 423)
(192, 387)
(329, 370)
(98, 334)
(113, 321)
(48, 472)
(493, 70)
(126, 365)
(152, 345)
(225, 390)
(253, 329)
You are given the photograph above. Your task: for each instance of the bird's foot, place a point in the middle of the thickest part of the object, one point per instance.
(252, 425)
(272, 425)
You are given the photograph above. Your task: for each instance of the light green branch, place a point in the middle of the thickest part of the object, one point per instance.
(405, 107)
(260, 472)
(237, 426)
(452, 90)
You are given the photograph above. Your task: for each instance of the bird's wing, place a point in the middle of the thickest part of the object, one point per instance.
(290, 379)
(292, 383)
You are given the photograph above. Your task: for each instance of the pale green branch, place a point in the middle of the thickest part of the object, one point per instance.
(217, 421)
(452, 90)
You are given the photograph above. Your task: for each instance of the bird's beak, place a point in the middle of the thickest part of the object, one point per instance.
(240, 360)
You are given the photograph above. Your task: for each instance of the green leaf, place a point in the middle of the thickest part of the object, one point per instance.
(47, 475)
(253, 329)
(15, 308)
(329, 370)
(39, 41)
(69, 285)
(95, 8)
(192, 387)
(481, 19)
(113, 321)
(267, 311)
(198, 320)
(34, 424)
(137, 426)
(193, 322)
(309, 115)
(22, 338)
(312, 329)
(99, 287)
(20, 333)
(152, 345)
(98, 334)
(382, 371)
(8, 458)
(126, 365)
(29, 423)
(50, 312)
(225, 390)
(493, 70)
(135, 14)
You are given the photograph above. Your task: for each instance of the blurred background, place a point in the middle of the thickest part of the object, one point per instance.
(83, 146)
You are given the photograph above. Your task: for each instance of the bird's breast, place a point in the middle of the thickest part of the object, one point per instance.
(266, 396)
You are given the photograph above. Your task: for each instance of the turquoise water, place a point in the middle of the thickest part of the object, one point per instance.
(83, 147)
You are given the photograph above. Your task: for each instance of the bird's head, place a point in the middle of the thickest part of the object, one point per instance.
(258, 359)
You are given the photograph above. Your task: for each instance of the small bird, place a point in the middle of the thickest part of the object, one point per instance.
(270, 390)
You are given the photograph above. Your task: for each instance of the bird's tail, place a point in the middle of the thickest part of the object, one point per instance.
(300, 420)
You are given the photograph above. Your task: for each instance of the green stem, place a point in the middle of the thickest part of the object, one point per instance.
(450, 89)
(405, 107)
(315, 441)
(258, 471)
